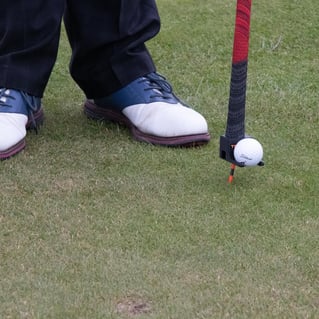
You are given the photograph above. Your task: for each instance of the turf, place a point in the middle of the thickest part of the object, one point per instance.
(96, 225)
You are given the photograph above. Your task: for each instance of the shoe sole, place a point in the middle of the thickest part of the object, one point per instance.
(17, 148)
(95, 112)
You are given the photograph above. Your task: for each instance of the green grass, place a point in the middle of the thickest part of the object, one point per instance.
(92, 222)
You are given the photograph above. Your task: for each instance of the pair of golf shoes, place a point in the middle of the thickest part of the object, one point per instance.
(147, 106)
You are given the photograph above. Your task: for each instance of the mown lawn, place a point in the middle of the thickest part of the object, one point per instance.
(96, 225)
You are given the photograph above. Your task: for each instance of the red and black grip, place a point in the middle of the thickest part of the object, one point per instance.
(235, 129)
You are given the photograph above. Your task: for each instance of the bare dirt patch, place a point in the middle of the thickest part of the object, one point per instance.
(132, 306)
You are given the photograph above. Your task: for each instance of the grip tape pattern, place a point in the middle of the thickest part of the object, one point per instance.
(235, 129)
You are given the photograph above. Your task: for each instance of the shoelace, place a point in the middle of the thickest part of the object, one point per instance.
(159, 85)
(30, 101)
(4, 96)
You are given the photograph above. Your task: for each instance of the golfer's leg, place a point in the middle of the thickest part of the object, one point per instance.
(107, 39)
(29, 34)
(111, 64)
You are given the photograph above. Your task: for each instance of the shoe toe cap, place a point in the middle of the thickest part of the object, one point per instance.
(166, 120)
(12, 129)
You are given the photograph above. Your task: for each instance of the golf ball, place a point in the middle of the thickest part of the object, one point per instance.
(248, 151)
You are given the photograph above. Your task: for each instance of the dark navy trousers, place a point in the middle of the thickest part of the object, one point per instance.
(107, 38)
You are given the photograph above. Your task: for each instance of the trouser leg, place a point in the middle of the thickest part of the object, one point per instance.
(108, 42)
(29, 37)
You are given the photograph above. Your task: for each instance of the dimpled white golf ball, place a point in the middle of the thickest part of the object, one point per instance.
(248, 151)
